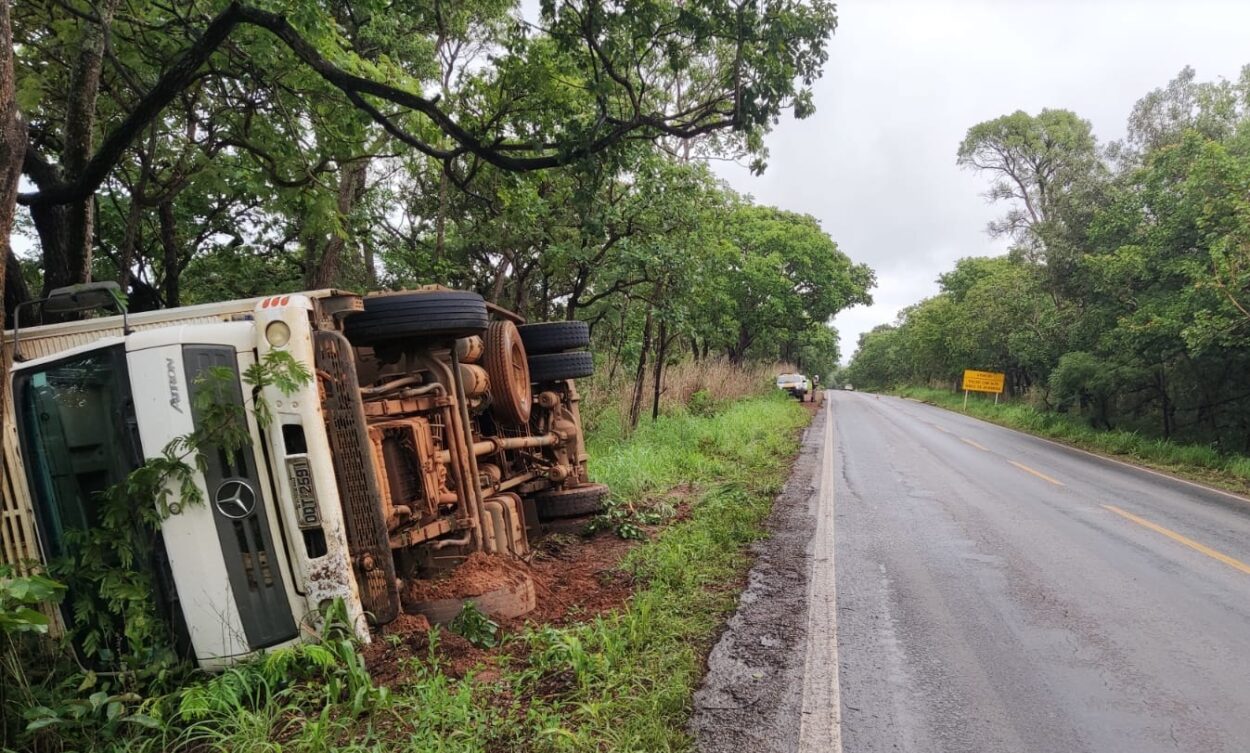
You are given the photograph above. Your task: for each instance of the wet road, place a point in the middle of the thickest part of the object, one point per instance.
(999, 593)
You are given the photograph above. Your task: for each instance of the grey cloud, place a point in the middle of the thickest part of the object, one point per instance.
(904, 81)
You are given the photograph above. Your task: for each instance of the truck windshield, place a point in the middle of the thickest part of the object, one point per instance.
(78, 439)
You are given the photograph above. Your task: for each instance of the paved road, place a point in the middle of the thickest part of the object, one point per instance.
(997, 593)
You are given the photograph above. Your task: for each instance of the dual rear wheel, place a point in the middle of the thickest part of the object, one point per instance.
(515, 359)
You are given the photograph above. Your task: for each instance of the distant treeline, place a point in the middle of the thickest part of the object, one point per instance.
(1126, 293)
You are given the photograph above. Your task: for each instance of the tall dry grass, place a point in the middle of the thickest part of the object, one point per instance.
(687, 386)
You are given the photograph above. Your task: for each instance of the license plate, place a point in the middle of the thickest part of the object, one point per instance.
(306, 511)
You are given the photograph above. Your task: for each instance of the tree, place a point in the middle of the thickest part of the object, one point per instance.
(12, 149)
(237, 120)
(1032, 161)
(1214, 109)
(781, 273)
(1131, 299)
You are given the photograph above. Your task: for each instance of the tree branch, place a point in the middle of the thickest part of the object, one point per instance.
(710, 116)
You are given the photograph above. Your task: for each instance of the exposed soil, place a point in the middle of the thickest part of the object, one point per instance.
(576, 578)
(477, 575)
(390, 654)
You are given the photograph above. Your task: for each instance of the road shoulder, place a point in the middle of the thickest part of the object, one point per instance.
(1177, 479)
(752, 696)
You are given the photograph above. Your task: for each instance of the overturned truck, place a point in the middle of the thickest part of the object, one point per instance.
(435, 426)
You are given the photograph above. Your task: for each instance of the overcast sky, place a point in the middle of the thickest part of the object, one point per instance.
(904, 81)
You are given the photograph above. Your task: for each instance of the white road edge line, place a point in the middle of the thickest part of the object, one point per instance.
(1161, 474)
(820, 723)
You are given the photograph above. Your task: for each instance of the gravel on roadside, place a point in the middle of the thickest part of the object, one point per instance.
(751, 698)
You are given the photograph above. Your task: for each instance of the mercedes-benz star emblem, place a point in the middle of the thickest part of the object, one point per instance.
(235, 499)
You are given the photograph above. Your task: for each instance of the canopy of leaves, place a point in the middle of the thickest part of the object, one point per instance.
(549, 157)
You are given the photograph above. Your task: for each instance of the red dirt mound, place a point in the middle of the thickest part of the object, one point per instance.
(576, 578)
(478, 574)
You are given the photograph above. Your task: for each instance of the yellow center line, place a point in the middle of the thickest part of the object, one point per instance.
(974, 444)
(939, 428)
(1236, 564)
(1039, 474)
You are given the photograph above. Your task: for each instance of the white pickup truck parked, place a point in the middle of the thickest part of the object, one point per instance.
(796, 384)
(435, 426)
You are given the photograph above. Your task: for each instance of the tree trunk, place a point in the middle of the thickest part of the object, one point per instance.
(501, 279)
(738, 352)
(520, 275)
(371, 269)
(615, 361)
(134, 216)
(544, 313)
(661, 350)
(172, 259)
(130, 240)
(327, 269)
(575, 297)
(12, 149)
(69, 263)
(635, 405)
(15, 291)
(440, 222)
(51, 221)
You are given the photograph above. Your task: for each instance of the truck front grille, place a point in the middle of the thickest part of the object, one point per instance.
(235, 494)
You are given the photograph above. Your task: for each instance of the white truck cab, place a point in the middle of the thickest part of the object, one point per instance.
(246, 572)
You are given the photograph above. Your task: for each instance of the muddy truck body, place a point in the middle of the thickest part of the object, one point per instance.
(434, 426)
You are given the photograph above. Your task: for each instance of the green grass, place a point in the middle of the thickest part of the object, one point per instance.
(621, 682)
(1198, 462)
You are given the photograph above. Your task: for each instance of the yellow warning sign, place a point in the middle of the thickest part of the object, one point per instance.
(983, 381)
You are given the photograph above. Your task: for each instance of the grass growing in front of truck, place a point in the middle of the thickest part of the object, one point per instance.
(622, 681)
(619, 682)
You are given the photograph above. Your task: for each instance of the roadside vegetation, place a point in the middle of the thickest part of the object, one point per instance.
(1194, 461)
(692, 487)
(557, 170)
(1124, 304)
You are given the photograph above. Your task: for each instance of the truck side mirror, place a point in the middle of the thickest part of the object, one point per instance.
(72, 299)
(85, 297)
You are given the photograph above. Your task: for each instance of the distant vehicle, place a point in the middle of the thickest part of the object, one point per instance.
(796, 384)
(849, 387)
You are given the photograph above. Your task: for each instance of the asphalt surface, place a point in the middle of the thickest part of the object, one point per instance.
(996, 592)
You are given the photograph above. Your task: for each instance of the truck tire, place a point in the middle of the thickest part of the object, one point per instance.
(571, 503)
(555, 367)
(431, 313)
(509, 373)
(554, 337)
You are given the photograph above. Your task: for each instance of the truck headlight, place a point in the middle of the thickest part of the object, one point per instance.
(278, 334)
